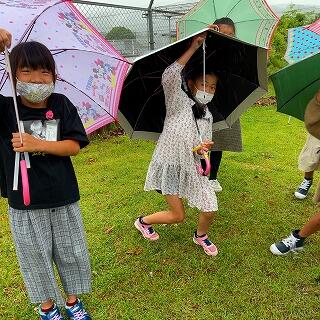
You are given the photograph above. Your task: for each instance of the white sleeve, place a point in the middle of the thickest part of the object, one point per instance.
(171, 77)
(175, 97)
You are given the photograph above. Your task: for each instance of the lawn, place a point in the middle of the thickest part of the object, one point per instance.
(174, 279)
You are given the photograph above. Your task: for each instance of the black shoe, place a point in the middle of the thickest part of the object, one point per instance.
(303, 189)
(292, 243)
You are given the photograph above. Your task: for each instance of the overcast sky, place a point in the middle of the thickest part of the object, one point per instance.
(145, 3)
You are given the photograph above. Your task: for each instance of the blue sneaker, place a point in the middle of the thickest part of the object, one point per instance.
(51, 315)
(293, 243)
(77, 312)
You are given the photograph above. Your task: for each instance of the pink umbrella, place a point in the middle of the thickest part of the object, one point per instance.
(90, 71)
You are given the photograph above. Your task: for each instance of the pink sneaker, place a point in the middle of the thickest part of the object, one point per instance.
(209, 248)
(146, 230)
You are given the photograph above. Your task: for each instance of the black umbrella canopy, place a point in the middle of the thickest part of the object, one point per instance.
(241, 69)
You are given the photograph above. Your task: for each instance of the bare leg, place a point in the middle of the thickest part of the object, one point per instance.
(205, 221)
(316, 196)
(72, 299)
(174, 215)
(310, 227)
(309, 175)
(47, 305)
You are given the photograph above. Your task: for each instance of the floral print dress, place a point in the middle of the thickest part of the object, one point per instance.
(173, 168)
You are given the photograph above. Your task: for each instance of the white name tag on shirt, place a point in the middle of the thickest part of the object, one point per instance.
(43, 129)
(51, 130)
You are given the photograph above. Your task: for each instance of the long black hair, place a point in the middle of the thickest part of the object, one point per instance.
(32, 55)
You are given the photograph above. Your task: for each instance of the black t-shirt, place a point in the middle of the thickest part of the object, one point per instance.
(52, 179)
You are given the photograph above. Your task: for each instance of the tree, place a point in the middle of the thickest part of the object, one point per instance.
(119, 33)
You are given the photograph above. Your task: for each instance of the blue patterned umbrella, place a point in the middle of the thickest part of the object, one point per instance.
(303, 42)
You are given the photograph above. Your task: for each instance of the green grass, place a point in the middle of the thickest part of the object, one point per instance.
(174, 279)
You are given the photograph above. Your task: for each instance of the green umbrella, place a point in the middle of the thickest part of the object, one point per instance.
(296, 84)
(254, 20)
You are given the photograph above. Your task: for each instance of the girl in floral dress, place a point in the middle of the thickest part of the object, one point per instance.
(174, 166)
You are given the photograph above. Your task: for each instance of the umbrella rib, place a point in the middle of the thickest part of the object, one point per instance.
(30, 27)
(299, 92)
(140, 78)
(4, 81)
(163, 59)
(28, 32)
(158, 90)
(62, 80)
(238, 22)
(246, 20)
(58, 51)
(233, 8)
(32, 24)
(215, 10)
(269, 19)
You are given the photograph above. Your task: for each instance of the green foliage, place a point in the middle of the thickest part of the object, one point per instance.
(119, 33)
(290, 19)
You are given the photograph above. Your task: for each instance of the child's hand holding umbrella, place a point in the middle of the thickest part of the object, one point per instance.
(5, 39)
(204, 147)
(30, 143)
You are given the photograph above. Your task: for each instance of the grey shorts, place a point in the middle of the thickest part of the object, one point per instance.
(44, 237)
(309, 158)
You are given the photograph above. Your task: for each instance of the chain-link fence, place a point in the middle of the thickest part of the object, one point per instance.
(132, 30)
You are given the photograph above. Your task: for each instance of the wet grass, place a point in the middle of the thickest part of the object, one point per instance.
(174, 279)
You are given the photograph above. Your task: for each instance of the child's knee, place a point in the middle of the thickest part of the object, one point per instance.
(179, 216)
(181, 219)
(209, 215)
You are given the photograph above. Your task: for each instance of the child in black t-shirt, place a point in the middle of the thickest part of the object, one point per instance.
(50, 229)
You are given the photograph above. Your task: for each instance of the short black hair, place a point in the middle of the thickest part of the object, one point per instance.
(227, 21)
(32, 55)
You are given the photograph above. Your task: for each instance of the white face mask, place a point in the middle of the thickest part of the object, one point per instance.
(203, 97)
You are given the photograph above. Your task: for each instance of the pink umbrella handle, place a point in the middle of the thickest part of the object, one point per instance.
(25, 183)
(208, 166)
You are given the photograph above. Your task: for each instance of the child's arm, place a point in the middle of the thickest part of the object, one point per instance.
(171, 78)
(61, 148)
(195, 45)
(312, 116)
(5, 39)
